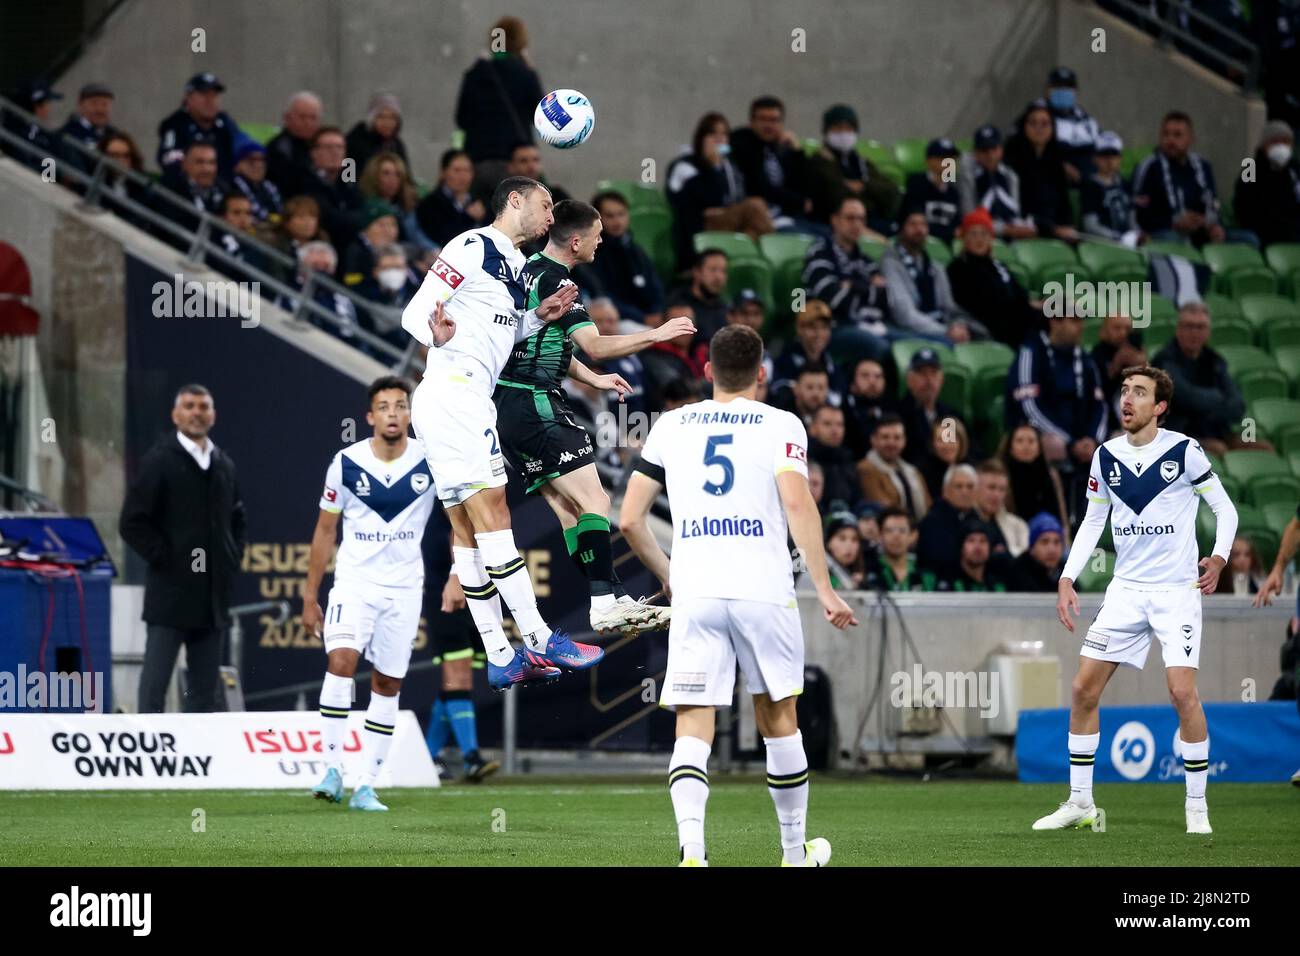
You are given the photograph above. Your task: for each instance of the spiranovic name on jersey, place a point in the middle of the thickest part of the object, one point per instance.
(542, 360)
(385, 506)
(1153, 491)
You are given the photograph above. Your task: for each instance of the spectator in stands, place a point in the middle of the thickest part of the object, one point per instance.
(1039, 160)
(707, 192)
(342, 207)
(390, 286)
(826, 447)
(939, 542)
(869, 523)
(622, 270)
(985, 288)
(886, 477)
(991, 503)
(1104, 199)
(1038, 569)
(34, 96)
(897, 570)
(1117, 348)
(838, 170)
(200, 119)
(195, 182)
(89, 124)
(844, 560)
(526, 160)
(935, 190)
(920, 298)
(386, 177)
(121, 149)
(975, 571)
(497, 98)
(300, 225)
(948, 444)
(605, 314)
(770, 160)
(1034, 484)
(1269, 204)
(450, 208)
(1075, 130)
(810, 391)
(250, 182)
(837, 272)
(380, 230)
(748, 309)
(339, 316)
(379, 132)
(704, 293)
(812, 329)
(920, 408)
(869, 398)
(676, 360)
(1055, 386)
(236, 213)
(985, 180)
(1244, 572)
(288, 154)
(184, 500)
(1173, 189)
(817, 484)
(1209, 405)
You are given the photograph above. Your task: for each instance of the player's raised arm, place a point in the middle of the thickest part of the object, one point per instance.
(1206, 484)
(610, 382)
(602, 347)
(1085, 539)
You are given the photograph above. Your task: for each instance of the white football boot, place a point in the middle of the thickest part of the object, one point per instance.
(1067, 815)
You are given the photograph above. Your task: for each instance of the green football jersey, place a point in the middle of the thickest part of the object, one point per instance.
(541, 361)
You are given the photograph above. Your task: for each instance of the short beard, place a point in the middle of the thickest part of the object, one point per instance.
(1133, 427)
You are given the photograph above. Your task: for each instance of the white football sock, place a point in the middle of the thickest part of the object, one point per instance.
(381, 721)
(787, 782)
(1196, 767)
(484, 604)
(1083, 753)
(335, 702)
(603, 602)
(688, 785)
(507, 571)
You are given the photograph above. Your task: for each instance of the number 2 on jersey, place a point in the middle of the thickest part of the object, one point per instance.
(711, 457)
(496, 449)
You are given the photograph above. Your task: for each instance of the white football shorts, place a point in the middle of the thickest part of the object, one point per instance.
(457, 423)
(709, 636)
(381, 623)
(1128, 618)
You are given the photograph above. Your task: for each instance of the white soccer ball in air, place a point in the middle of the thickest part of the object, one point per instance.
(564, 118)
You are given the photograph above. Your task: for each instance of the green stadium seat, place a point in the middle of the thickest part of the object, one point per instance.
(1283, 257)
(779, 247)
(978, 355)
(1170, 247)
(1286, 438)
(1277, 515)
(1239, 270)
(1232, 486)
(1231, 332)
(653, 231)
(1097, 255)
(1019, 270)
(638, 195)
(1162, 307)
(903, 349)
(1059, 272)
(1217, 463)
(1278, 334)
(753, 274)
(1250, 464)
(987, 384)
(1221, 307)
(957, 388)
(1261, 383)
(1284, 488)
(1273, 414)
(909, 153)
(1288, 360)
(736, 245)
(1130, 157)
(1293, 458)
(1249, 520)
(990, 423)
(1000, 251)
(873, 249)
(1037, 253)
(1264, 310)
(938, 250)
(261, 132)
(883, 157)
(786, 277)
(1243, 357)
(663, 253)
(1093, 580)
(1126, 271)
(1157, 334)
(1265, 542)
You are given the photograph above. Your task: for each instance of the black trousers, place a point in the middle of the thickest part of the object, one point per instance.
(203, 652)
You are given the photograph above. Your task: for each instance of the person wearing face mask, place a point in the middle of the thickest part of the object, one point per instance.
(1076, 131)
(388, 285)
(1269, 205)
(838, 170)
(380, 230)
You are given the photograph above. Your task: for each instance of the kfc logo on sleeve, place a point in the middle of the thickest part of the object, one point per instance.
(796, 452)
(330, 494)
(446, 273)
(1092, 484)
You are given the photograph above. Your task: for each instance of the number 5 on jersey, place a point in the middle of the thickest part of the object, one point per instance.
(711, 457)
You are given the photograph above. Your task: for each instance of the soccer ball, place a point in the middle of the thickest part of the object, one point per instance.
(564, 118)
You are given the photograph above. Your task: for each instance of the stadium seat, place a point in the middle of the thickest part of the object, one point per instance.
(753, 274)
(1042, 276)
(1288, 360)
(1098, 255)
(1278, 514)
(1265, 541)
(1130, 157)
(736, 245)
(638, 195)
(1172, 248)
(987, 383)
(664, 255)
(1231, 486)
(1229, 331)
(1250, 464)
(1283, 257)
(938, 250)
(1263, 310)
(647, 223)
(903, 349)
(956, 389)
(1279, 334)
(1249, 520)
(1273, 414)
(1121, 271)
(909, 153)
(1293, 458)
(1286, 438)
(786, 277)
(1091, 579)
(1034, 254)
(1261, 383)
(1284, 488)
(780, 247)
(1221, 307)
(1239, 270)
(1163, 307)
(1240, 358)
(989, 420)
(262, 133)
(873, 249)
(1019, 270)
(978, 355)
(1001, 250)
(1157, 333)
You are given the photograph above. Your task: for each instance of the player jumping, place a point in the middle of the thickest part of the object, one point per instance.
(470, 310)
(379, 486)
(1149, 480)
(737, 478)
(541, 439)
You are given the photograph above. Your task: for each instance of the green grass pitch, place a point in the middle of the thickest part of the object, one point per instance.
(569, 821)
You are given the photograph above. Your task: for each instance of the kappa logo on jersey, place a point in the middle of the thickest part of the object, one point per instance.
(1115, 476)
(797, 452)
(1169, 470)
(446, 273)
(330, 494)
(362, 488)
(419, 483)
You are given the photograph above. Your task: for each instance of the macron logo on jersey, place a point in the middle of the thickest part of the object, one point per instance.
(446, 273)
(796, 452)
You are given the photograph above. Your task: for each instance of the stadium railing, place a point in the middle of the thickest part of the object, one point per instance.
(201, 246)
(1243, 63)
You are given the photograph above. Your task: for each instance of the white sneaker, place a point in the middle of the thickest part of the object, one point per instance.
(1295, 778)
(816, 852)
(626, 616)
(1198, 818)
(1067, 815)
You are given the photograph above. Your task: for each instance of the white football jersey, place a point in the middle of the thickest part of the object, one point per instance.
(1153, 492)
(720, 461)
(385, 506)
(479, 277)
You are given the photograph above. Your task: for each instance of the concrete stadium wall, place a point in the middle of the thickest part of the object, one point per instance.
(910, 67)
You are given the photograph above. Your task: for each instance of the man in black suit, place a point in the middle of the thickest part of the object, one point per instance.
(770, 158)
(183, 514)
